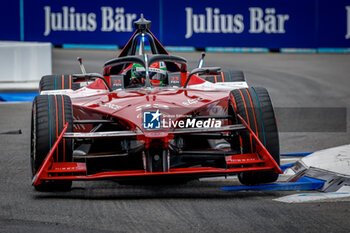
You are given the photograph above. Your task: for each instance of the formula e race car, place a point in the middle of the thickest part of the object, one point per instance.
(146, 117)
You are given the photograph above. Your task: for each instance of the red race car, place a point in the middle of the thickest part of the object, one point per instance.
(147, 117)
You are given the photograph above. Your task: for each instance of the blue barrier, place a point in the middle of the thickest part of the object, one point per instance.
(236, 50)
(17, 97)
(10, 20)
(297, 154)
(272, 24)
(304, 183)
(90, 46)
(88, 22)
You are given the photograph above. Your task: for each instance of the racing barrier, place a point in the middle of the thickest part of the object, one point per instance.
(24, 61)
(272, 24)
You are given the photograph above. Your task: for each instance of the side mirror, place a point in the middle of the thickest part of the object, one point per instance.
(203, 70)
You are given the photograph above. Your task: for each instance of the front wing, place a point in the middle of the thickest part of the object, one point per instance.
(261, 160)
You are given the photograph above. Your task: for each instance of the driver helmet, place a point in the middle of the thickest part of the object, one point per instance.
(157, 74)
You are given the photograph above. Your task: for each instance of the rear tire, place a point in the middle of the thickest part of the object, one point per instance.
(225, 76)
(49, 115)
(57, 82)
(255, 107)
(234, 76)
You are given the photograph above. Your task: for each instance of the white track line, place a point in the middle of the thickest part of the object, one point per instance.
(343, 192)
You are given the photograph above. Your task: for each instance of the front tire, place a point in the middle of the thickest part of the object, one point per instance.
(255, 107)
(49, 115)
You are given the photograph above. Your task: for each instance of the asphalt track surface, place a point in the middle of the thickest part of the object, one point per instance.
(293, 80)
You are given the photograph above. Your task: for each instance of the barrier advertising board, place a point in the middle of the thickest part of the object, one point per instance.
(221, 23)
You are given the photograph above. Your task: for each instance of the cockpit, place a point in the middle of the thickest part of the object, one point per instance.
(144, 66)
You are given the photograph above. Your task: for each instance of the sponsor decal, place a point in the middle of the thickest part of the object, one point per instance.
(151, 120)
(70, 19)
(192, 101)
(111, 106)
(157, 120)
(192, 123)
(261, 21)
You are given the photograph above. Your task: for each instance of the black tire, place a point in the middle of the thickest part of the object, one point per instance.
(234, 76)
(254, 105)
(49, 115)
(57, 82)
(225, 76)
